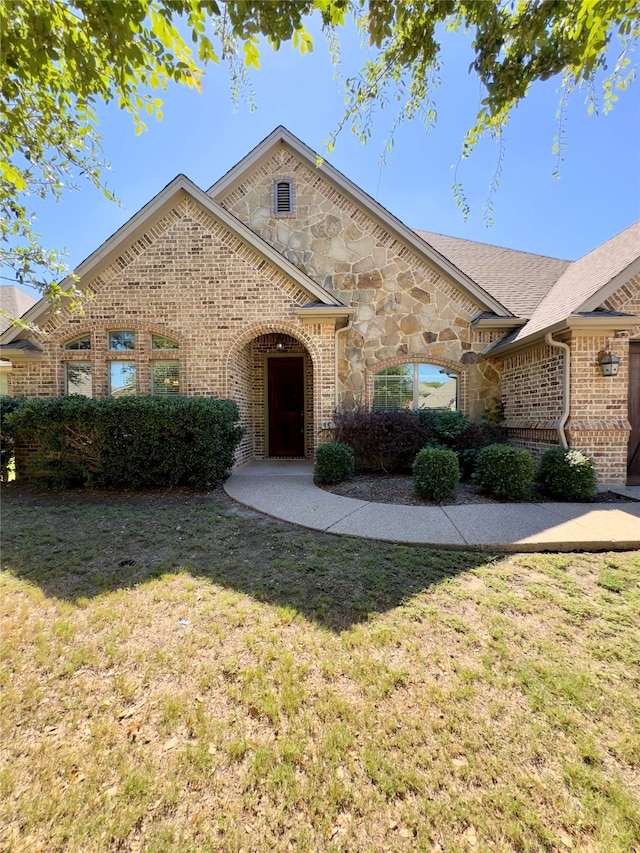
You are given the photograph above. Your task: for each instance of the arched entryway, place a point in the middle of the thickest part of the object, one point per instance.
(285, 405)
(271, 380)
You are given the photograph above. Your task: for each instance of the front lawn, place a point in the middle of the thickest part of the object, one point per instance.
(178, 674)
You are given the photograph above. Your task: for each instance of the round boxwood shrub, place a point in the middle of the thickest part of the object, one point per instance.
(505, 472)
(334, 462)
(436, 473)
(567, 475)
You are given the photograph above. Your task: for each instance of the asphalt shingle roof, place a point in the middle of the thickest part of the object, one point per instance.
(583, 279)
(519, 280)
(14, 302)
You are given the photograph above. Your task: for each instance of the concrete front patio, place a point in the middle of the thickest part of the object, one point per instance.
(285, 490)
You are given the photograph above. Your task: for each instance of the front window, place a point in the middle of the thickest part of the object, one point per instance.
(78, 378)
(122, 378)
(161, 342)
(119, 341)
(415, 386)
(82, 343)
(166, 378)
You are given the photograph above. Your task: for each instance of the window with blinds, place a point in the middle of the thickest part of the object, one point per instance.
(415, 386)
(78, 378)
(166, 378)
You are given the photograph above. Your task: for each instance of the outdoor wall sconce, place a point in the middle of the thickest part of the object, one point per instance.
(609, 362)
(279, 346)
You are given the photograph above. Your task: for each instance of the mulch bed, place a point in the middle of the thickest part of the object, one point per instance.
(397, 489)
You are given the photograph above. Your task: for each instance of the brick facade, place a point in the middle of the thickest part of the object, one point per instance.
(531, 388)
(192, 281)
(194, 276)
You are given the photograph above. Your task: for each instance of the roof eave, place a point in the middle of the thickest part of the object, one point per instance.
(498, 323)
(18, 355)
(339, 315)
(574, 322)
(142, 220)
(610, 287)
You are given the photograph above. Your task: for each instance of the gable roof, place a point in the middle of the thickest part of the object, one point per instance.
(585, 284)
(519, 280)
(283, 137)
(152, 212)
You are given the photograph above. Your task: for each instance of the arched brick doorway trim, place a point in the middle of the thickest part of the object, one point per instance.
(270, 372)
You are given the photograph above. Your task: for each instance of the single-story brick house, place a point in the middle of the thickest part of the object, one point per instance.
(289, 290)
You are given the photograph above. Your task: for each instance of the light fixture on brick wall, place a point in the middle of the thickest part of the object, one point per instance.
(609, 362)
(279, 344)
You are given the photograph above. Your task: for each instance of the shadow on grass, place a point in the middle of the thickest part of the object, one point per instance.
(80, 544)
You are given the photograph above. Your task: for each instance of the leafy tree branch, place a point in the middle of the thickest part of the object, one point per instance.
(61, 59)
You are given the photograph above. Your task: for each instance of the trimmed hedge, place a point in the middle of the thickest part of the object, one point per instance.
(505, 472)
(390, 441)
(470, 442)
(334, 462)
(436, 473)
(567, 475)
(386, 441)
(129, 442)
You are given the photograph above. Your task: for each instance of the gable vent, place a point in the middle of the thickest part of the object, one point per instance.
(283, 197)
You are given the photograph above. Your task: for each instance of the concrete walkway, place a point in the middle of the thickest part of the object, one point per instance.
(285, 490)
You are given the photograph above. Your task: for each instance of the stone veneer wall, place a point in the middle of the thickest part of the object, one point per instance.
(405, 310)
(191, 279)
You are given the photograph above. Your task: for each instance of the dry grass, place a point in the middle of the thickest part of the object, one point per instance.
(180, 675)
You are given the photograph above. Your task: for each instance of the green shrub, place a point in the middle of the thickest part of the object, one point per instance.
(567, 475)
(470, 442)
(386, 441)
(436, 473)
(449, 424)
(8, 405)
(129, 442)
(505, 472)
(334, 462)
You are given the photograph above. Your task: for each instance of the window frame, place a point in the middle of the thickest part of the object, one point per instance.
(69, 346)
(123, 361)
(112, 348)
(158, 361)
(154, 348)
(69, 363)
(414, 404)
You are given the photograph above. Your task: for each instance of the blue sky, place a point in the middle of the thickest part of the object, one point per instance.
(597, 195)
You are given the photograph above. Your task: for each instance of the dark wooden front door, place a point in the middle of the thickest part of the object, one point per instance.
(285, 395)
(633, 459)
